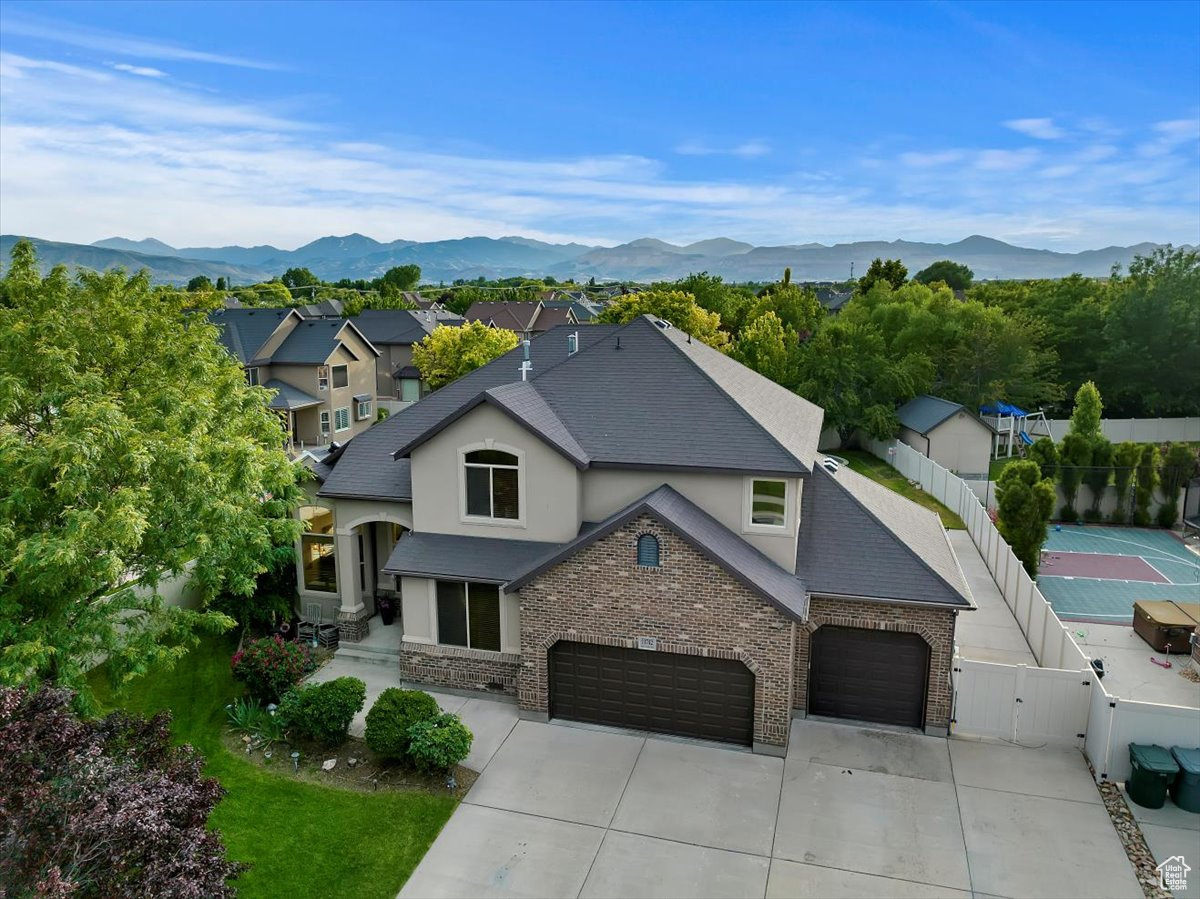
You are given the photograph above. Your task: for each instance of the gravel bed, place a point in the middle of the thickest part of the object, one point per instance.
(1132, 839)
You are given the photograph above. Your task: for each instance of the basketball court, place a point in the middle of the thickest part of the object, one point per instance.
(1097, 573)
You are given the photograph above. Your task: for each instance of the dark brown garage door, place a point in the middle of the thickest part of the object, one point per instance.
(868, 675)
(691, 696)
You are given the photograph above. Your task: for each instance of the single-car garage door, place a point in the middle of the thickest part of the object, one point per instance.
(868, 675)
(691, 696)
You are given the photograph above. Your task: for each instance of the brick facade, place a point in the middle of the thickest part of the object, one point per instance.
(689, 604)
(459, 668)
(936, 626)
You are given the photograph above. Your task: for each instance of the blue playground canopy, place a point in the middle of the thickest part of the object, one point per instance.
(1003, 409)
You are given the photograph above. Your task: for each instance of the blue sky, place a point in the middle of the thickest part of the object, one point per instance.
(1066, 126)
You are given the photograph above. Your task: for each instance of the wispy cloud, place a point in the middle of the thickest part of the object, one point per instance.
(1042, 129)
(747, 149)
(144, 71)
(114, 44)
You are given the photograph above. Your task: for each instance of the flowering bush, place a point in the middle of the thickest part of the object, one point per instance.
(270, 667)
(102, 808)
(438, 744)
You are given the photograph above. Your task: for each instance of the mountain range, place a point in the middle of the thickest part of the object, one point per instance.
(647, 259)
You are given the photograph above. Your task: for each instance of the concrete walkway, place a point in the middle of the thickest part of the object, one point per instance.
(1171, 831)
(990, 633)
(569, 811)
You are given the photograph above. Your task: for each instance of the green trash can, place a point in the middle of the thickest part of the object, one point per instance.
(1153, 771)
(1185, 789)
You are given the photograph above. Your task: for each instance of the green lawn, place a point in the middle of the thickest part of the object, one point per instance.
(301, 839)
(882, 473)
(998, 466)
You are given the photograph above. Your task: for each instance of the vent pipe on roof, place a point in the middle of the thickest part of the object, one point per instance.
(572, 344)
(526, 366)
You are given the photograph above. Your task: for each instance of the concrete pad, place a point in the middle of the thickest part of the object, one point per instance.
(1055, 773)
(1165, 842)
(559, 772)
(491, 723)
(990, 633)
(630, 865)
(702, 795)
(450, 703)
(486, 852)
(1032, 846)
(792, 880)
(900, 827)
(1129, 672)
(1170, 815)
(975, 637)
(870, 749)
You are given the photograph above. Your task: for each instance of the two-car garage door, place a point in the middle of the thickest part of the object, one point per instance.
(692, 696)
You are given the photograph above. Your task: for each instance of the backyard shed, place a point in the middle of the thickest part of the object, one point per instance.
(947, 433)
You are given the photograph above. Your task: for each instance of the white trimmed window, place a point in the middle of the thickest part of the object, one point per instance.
(468, 615)
(252, 377)
(322, 378)
(766, 504)
(341, 419)
(341, 376)
(492, 480)
(362, 409)
(324, 422)
(410, 390)
(318, 556)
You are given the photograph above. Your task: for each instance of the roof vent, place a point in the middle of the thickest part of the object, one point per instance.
(526, 365)
(830, 465)
(664, 324)
(572, 344)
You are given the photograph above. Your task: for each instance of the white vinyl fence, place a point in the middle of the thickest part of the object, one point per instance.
(1061, 702)
(1138, 430)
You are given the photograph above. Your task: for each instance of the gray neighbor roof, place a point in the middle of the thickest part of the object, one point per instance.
(289, 397)
(708, 536)
(244, 331)
(849, 519)
(313, 341)
(924, 413)
(401, 326)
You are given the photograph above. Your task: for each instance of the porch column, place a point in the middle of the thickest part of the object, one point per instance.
(352, 616)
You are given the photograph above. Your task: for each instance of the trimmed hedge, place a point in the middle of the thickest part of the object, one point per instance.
(438, 744)
(323, 712)
(389, 720)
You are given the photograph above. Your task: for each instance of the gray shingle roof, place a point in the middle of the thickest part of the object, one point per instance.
(312, 342)
(400, 326)
(486, 559)
(701, 531)
(848, 519)
(924, 413)
(517, 316)
(289, 397)
(243, 331)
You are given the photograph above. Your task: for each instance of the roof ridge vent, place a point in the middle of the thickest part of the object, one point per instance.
(830, 465)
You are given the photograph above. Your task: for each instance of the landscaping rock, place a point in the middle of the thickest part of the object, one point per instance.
(328, 764)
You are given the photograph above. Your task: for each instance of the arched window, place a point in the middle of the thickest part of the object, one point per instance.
(647, 551)
(493, 490)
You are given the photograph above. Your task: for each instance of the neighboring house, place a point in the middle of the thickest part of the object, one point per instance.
(948, 433)
(393, 332)
(526, 319)
(638, 532)
(322, 370)
(833, 300)
(323, 309)
(583, 310)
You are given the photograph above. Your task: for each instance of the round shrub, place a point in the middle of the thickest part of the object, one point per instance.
(323, 712)
(270, 667)
(438, 744)
(393, 713)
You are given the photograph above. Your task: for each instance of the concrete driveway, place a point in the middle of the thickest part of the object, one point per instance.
(568, 811)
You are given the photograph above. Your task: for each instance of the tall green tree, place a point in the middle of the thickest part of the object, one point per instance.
(675, 306)
(892, 271)
(1179, 463)
(299, 277)
(796, 307)
(1088, 411)
(713, 294)
(1125, 461)
(1152, 331)
(954, 275)
(199, 284)
(1074, 457)
(1045, 453)
(1099, 471)
(449, 353)
(1024, 503)
(131, 449)
(1145, 479)
(769, 348)
(401, 277)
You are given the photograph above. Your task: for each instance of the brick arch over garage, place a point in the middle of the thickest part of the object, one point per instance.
(935, 626)
(690, 606)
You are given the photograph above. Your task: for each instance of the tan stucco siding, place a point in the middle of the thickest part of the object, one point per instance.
(419, 608)
(606, 491)
(550, 492)
(960, 443)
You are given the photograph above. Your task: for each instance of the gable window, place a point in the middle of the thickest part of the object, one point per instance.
(648, 552)
(341, 376)
(768, 503)
(410, 390)
(492, 484)
(341, 418)
(468, 615)
(318, 559)
(324, 422)
(252, 377)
